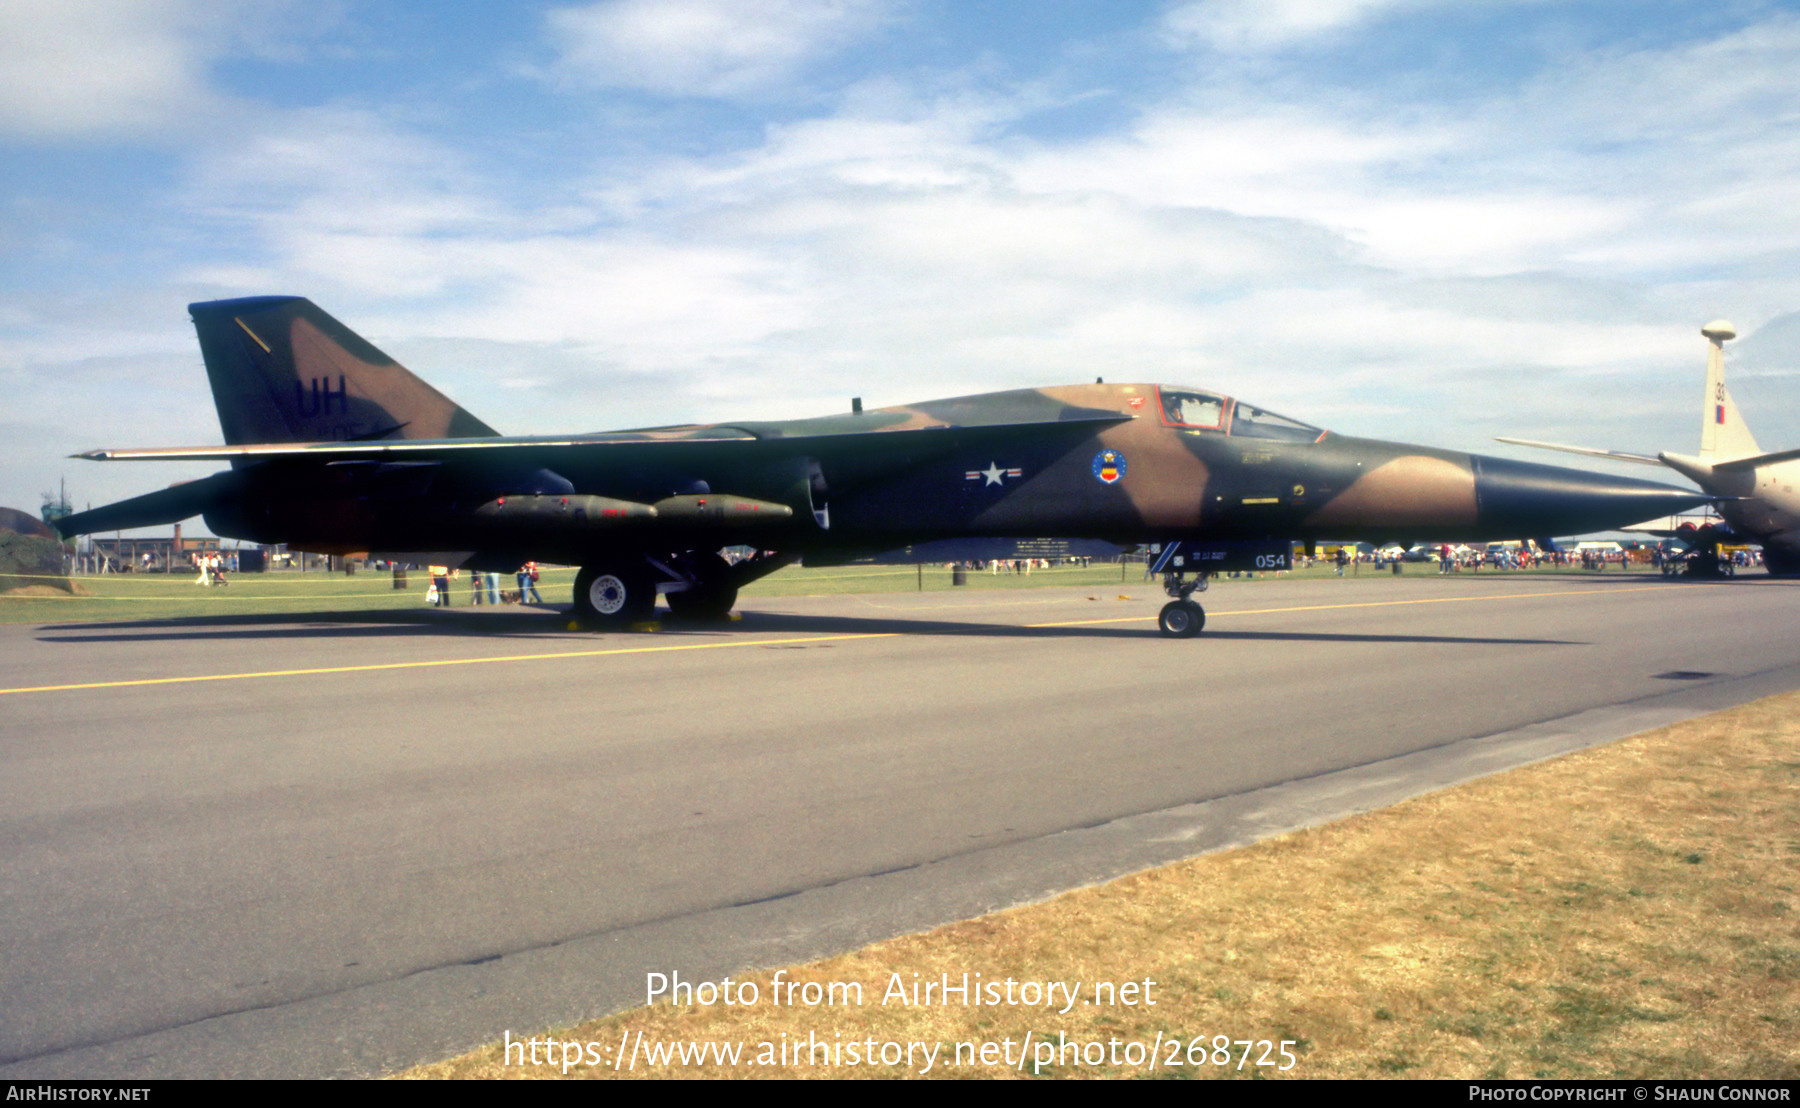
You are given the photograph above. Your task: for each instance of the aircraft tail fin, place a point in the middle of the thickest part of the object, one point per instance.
(284, 371)
(1723, 435)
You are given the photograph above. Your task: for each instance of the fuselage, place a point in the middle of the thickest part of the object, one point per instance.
(1173, 463)
(1760, 503)
(1197, 465)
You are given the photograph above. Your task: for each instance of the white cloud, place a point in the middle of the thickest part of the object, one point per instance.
(343, 171)
(1236, 25)
(1717, 90)
(83, 66)
(397, 234)
(921, 252)
(135, 69)
(704, 47)
(1619, 161)
(1358, 181)
(1698, 138)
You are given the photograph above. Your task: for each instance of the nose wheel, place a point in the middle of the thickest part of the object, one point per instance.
(1181, 619)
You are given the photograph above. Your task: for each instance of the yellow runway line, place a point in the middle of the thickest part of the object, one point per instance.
(441, 662)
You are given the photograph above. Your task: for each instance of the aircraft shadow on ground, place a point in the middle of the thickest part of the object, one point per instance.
(541, 623)
(853, 625)
(534, 624)
(1338, 637)
(1748, 578)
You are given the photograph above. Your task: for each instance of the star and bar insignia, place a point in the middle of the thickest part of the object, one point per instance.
(994, 474)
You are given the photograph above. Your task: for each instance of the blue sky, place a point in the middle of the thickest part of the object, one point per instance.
(1428, 220)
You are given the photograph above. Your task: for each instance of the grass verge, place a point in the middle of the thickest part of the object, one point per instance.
(1627, 911)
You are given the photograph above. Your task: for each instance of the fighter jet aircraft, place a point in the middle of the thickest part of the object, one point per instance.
(1756, 490)
(336, 448)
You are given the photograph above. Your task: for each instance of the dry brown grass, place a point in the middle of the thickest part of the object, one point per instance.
(1624, 911)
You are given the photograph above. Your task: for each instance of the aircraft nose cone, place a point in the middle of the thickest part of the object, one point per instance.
(1523, 498)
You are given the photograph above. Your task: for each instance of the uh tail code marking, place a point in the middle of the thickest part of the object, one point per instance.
(321, 399)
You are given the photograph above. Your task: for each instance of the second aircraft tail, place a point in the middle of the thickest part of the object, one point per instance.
(1723, 435)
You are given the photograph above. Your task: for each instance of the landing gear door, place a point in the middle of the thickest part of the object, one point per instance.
(1221, 557)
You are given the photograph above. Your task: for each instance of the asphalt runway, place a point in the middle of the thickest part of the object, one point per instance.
(339, 846)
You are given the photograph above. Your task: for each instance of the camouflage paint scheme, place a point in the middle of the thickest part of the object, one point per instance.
(334, 447)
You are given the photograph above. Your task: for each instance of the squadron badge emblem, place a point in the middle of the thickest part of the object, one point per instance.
(1109, 466)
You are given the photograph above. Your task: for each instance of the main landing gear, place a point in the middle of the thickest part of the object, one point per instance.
(615, 595)
(1703, 563)
(700, 585)
(1182, 617)
(710, 593)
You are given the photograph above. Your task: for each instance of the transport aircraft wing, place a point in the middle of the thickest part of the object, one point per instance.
(1592, 452)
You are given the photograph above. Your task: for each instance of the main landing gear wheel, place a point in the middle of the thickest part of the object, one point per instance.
(709, 597)
(1181, 619)
(612, 597)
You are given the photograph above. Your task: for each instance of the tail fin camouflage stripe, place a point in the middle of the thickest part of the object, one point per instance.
(284, 371)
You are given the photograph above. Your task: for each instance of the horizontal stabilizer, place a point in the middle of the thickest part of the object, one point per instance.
(171, 505)
(1616, 455)
(1739, 465)
(1666, 526)
(374, 450)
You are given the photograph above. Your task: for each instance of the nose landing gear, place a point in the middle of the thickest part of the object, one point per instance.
(1182, 617)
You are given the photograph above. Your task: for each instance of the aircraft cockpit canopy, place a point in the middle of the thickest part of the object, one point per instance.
(1193, 409)
(1203, 411)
